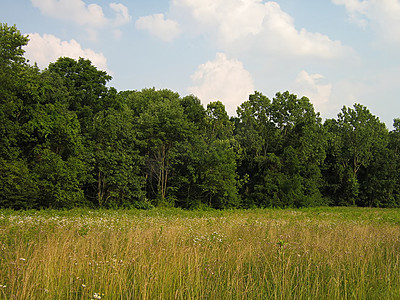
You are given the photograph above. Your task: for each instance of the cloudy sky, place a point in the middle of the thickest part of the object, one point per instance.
(335, 52)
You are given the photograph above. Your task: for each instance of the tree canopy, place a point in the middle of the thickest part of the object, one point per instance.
(67, 139)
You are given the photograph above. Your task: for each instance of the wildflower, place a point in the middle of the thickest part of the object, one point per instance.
(83, 285)
(3, 286)
(97, 296)
(22, 259)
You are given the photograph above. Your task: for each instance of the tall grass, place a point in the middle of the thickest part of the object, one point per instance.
(332, 253)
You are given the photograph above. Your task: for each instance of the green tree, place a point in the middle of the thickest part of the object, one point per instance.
(17, 184)
(12, 61)
(12, 68)
(97, 108)
(283, 144)
(50, 141)
(163, 129)
(206, 173)
(189, 171)
(40, 141)
(87, 89)
(219, 178)
(302, 129)
(388, 166)
(257, 135)
(117, 168)
(355, 138)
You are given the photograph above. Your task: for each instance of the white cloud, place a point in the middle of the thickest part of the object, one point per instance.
(262, 25)
(157, 25)
(230, 17)
(282, 36)
(73, 10)
(122, 14)
(48, 48)
(382, 15)
(90, 16)
(309, 85)
(356, 10)
(222, 79)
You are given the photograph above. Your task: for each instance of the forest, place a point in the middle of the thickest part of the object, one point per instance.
(68, 140)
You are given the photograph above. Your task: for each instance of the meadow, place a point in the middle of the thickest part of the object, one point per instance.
(314, 253)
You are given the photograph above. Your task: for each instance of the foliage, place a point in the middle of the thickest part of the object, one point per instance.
(358, 145)
(68, 140)
(283, 145)
(117, 161)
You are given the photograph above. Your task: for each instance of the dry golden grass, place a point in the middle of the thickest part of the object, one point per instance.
(172, 254)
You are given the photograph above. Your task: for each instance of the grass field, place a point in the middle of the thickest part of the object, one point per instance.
(323, 253)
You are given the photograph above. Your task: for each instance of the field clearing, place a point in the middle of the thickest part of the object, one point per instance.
(319, 253)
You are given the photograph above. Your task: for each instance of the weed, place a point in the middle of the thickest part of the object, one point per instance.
(319, 253)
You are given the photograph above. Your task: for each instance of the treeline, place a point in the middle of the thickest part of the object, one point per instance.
(68, 140)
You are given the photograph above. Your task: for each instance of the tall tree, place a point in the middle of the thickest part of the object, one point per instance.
(117, 168)
(163, 129)
(219, 178)
(87, 88)
(356, 136)
(94, 104)
(189, 172)
(18, 188)
(256, 133)
(40, 137)
(12, 68)
(283, 147)
(388, 175)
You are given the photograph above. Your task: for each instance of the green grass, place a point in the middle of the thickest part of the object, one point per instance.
(319, 253)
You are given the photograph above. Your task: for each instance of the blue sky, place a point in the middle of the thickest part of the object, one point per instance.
(335, 52)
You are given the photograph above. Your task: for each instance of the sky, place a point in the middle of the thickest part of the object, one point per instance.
(335, 52)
